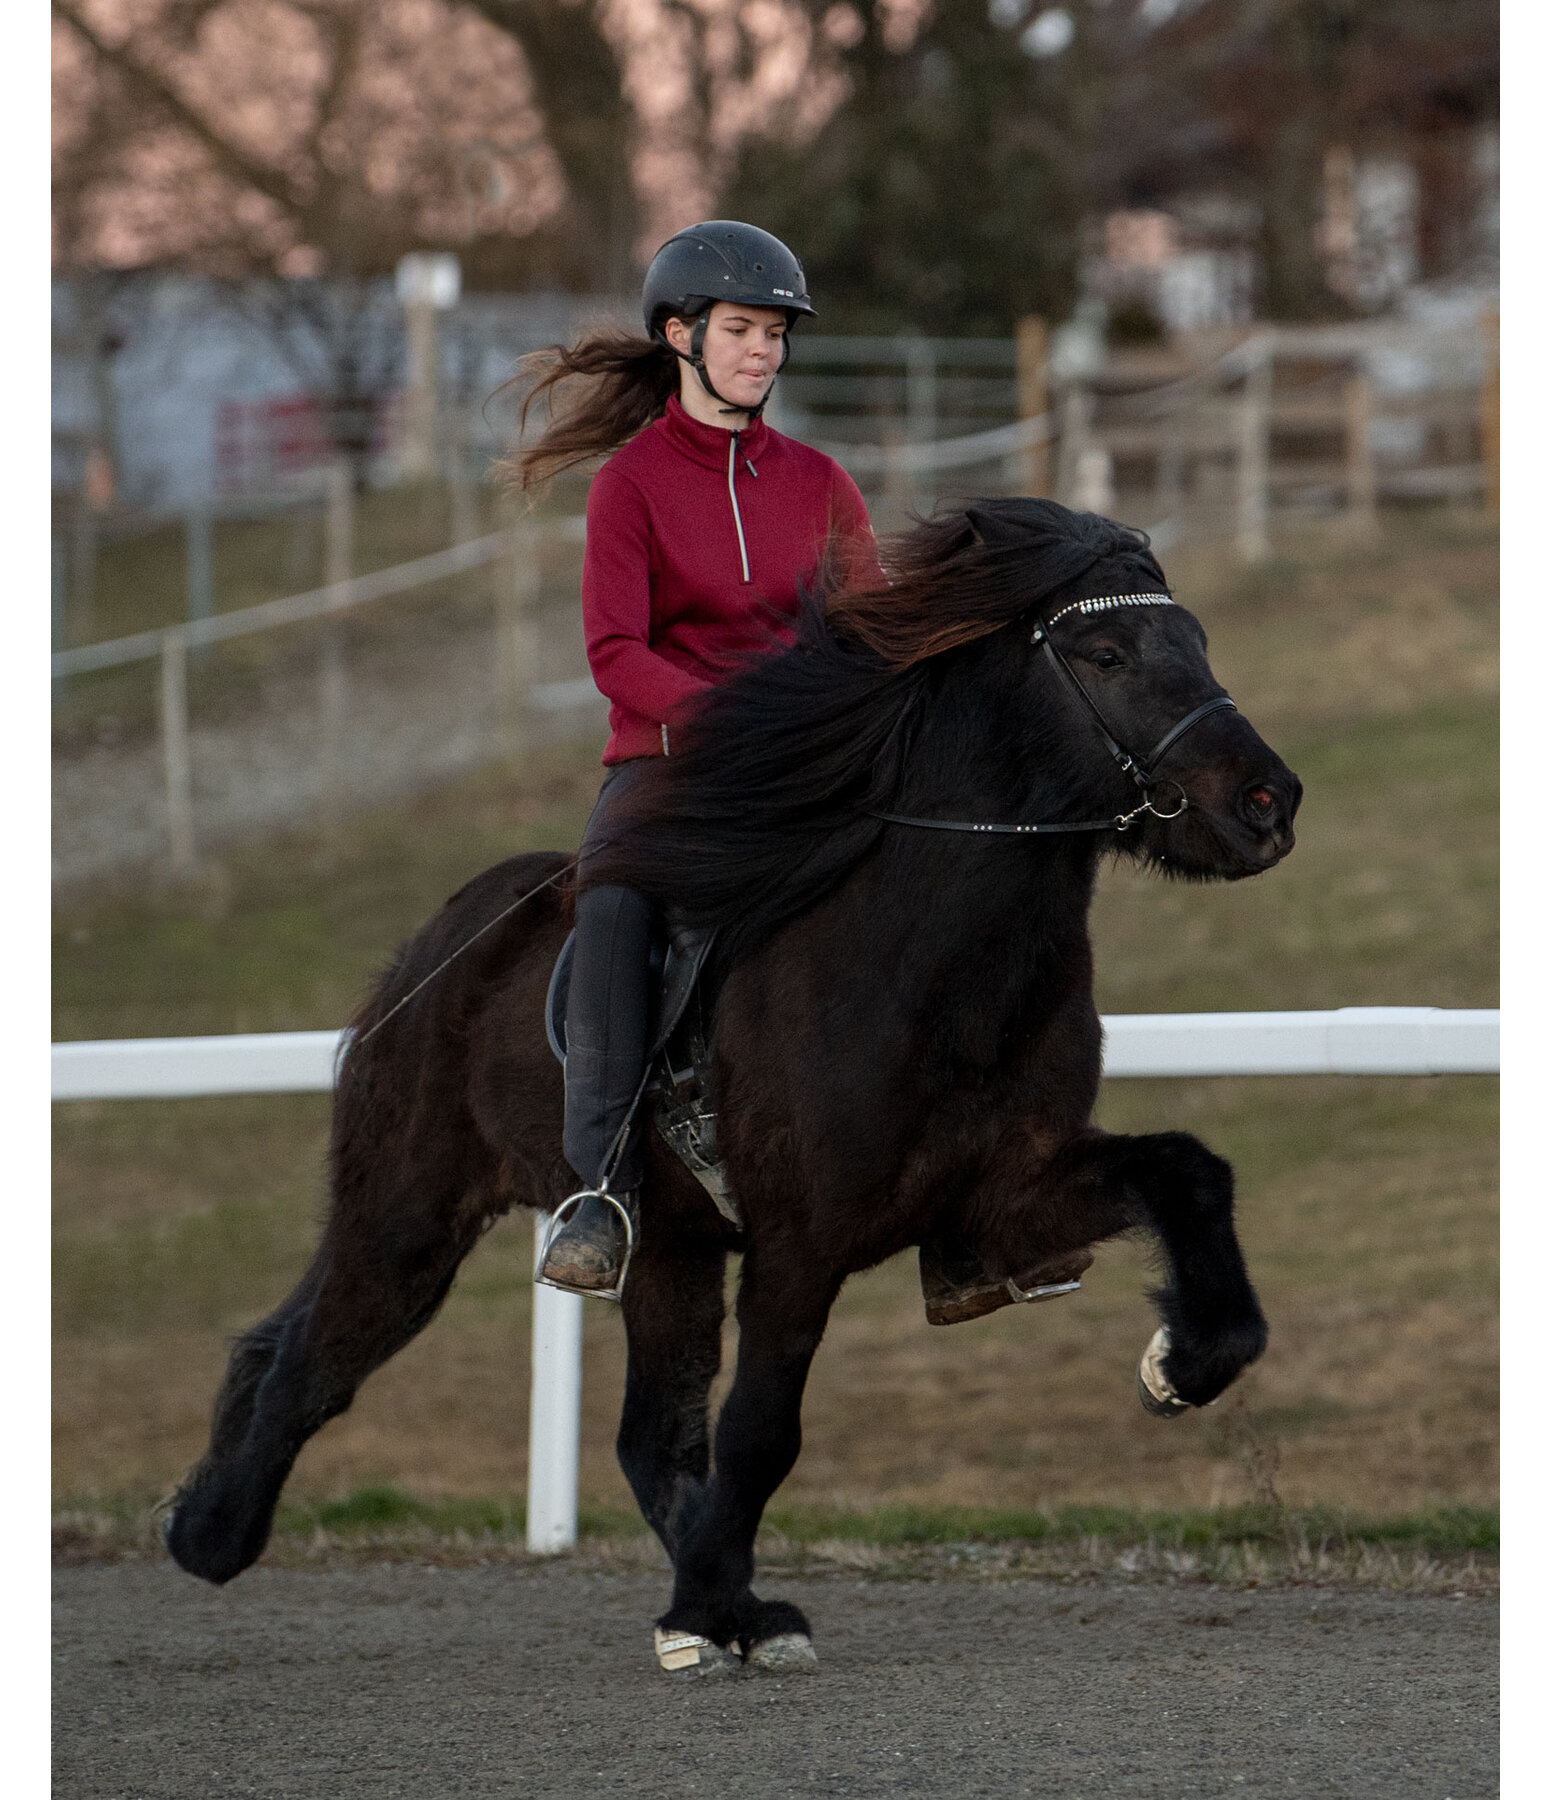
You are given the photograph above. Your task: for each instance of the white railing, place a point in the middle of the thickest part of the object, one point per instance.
(1353, 1040)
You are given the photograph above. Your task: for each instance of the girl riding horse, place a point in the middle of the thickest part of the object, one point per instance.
(703, 528)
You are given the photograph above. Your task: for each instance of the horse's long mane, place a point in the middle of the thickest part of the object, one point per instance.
(765, 809)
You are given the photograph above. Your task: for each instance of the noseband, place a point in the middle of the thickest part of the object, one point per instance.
(1141, 770)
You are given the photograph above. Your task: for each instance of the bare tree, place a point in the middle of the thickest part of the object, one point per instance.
(647, 106)
(292, 151)
(240, 137)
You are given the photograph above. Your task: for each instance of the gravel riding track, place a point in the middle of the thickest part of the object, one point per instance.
(424, 1682)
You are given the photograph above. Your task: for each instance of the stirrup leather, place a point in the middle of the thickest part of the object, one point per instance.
(558, 1218)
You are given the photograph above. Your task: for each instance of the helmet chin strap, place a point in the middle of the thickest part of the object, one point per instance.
(696, 361)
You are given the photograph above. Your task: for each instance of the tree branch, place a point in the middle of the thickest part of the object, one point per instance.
(233, 161)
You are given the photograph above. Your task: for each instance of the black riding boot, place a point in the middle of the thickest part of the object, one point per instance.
(606, 1020)
(605, 1055)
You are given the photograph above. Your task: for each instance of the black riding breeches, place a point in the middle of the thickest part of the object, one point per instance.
(608, 1011)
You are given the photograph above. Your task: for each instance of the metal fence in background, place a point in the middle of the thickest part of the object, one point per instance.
(1216, 438)
(1200, 440)
(308, 706)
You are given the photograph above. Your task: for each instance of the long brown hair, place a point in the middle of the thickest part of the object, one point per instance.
(619, 382)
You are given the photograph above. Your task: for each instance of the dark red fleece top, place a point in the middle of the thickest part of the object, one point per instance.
(697, 539)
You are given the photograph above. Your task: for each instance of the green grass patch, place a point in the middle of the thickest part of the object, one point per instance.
(370, 1511)
(1445, 1531)
(384, 1511)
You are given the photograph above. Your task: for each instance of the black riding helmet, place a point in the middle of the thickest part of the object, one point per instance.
(721, 260)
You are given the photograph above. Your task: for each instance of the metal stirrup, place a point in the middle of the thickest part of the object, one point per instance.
(558, 1217)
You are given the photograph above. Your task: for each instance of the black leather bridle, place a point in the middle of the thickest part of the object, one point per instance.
(1141, 770)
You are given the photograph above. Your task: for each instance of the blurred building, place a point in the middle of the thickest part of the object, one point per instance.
(170, 391)
(1400, 227)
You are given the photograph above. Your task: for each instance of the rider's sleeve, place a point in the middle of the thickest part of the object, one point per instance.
(616, 604)
(851, 532)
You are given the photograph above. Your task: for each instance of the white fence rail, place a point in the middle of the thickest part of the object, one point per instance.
(1353, 1040)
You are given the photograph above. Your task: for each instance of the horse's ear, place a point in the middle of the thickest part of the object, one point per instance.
(1018, 522)
(993, 529)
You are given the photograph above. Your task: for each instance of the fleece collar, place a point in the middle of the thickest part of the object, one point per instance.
(707, 444)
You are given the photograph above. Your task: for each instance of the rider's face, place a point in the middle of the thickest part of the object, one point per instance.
(742, 349)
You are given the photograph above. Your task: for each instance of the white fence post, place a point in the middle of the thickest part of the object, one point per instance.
(417, 452)
(1076, 412)
(1361, 483)
(554, 1418)
(177, 764)
(59, 577)
(199, 562)
(1033, 401)
(338, 567)
(464, 483)
(83, 568)
(920, 413)
(517, 642)
(1093, 483)
(1254, 458)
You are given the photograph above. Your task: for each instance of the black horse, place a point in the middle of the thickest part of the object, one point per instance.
(904, 1036)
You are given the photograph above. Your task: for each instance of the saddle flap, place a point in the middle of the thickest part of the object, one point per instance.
(558, 996)
(674, 977)
(681, 969)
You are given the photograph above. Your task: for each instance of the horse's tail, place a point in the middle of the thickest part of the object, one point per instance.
(414, 1184)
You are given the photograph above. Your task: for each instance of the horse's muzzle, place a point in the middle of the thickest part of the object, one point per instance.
(1267, 805)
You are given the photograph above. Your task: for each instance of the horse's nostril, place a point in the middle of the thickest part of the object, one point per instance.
(1261, 799)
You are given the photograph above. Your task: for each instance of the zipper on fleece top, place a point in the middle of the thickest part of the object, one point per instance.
(737, 517)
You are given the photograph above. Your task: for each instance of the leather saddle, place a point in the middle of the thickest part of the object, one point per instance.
(682, 1108)
(678, 1093)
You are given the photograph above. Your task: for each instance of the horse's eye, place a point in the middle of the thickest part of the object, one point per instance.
(1107, 659)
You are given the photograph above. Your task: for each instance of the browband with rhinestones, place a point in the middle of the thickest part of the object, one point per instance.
(1108, 602)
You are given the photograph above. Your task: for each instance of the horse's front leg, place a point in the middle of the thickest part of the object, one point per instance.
(1212, 1326)
(782, 1309)
(673, 1309)
(1096, 1186)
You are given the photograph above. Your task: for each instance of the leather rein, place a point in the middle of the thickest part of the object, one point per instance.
(1141, 770)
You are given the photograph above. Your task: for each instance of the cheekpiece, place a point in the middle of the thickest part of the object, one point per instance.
(1108, 603)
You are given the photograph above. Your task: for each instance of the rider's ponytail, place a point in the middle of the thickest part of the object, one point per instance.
(598, 393)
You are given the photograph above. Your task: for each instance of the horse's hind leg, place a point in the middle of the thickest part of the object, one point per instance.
(379, 1276)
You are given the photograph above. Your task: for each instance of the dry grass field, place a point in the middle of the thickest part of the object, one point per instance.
(1367, 1206)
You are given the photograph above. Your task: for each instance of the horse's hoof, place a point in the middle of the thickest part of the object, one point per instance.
(686, 1653)
(1157, 1393)
(791, 1653)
